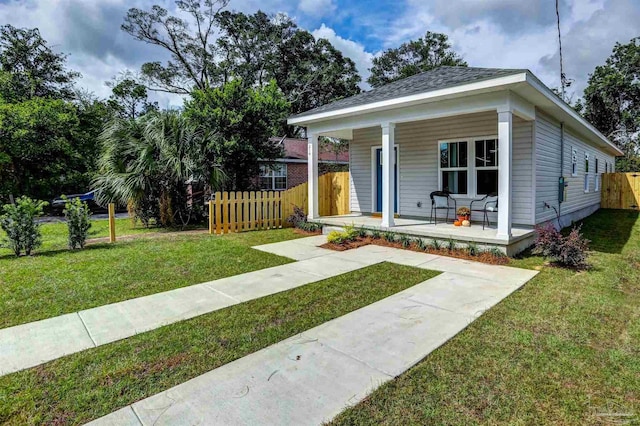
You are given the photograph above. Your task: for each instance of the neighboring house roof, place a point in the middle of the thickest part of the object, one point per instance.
(445, 83)
(296, 149)
(438, 78)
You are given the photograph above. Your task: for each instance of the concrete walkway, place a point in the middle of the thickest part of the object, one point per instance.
(309, 378)
(31, 344)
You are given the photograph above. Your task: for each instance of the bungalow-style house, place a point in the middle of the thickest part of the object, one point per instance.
(292, 170)
(497, 135)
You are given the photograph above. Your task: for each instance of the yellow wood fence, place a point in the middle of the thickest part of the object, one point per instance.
(620, 191)
(246, 211)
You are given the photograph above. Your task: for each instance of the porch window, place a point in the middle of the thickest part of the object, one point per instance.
(273, 177)
(597, 177)
(574, 162)
(454, 166)
(486, 166)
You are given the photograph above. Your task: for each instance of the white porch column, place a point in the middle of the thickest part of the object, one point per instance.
(388, 184)
(505, 172)
(312, 166)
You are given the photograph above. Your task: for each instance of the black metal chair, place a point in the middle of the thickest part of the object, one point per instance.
(441, 200)
(485, 205)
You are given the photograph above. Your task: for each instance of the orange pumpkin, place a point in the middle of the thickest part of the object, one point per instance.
(457, 223)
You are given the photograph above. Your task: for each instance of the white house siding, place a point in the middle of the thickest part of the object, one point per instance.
(548, 170)
(418, 151)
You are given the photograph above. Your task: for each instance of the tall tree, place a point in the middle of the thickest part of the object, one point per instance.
(30, 68)
(129, 99)
(310, 72)
(241, 119)
(193, 53)
(413, 57)
(612, 101)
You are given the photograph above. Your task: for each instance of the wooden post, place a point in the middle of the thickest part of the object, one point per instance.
(218, 197)
(211, 225)
(112, 223)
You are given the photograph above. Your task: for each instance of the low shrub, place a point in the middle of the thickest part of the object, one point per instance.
(570, 251)
(78, 218)
(375, 234)
(389, 236)
(339, 237)
(336, 237)
(362, 232)
(405, 240)
(309, 226)
(19, 222)
(496, 252)
(422, 244)
(472, 249)
(451, 245)
(436, 244)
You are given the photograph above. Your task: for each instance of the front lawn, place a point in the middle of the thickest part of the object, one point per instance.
(58, 281)
(93, 383)
(565, 349)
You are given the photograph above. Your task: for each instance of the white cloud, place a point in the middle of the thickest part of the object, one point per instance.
(317, 8)
(351, 49)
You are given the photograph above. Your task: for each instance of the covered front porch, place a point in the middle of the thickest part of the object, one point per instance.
(521, 237)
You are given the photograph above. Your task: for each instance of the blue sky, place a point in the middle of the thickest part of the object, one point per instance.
(487, 33)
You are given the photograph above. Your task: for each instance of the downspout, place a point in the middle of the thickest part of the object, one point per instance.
(561, 179)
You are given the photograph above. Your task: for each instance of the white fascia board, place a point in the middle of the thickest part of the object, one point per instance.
(536, 84)
(299, 161)
(409, 100)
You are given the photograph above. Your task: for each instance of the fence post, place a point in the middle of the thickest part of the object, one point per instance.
(211, 229)
(112, 223)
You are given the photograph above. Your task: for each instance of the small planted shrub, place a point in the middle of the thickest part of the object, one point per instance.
(362, 232)
(351, 233)
(405, 240)
(570, 251)
(496, 252)
(472, 249)
(436, 244)
(451, 245)
(389, 236)
(375, 234)
(19, 222)
(422, 244)
(78, 218)
(336, 237)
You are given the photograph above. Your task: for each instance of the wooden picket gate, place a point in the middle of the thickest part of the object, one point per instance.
(620, 191)
(248, 211)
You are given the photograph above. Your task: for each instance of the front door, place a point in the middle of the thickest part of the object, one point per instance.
(379, 180)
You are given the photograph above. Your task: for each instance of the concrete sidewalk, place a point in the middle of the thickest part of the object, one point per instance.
(31, 344)
(310, 378)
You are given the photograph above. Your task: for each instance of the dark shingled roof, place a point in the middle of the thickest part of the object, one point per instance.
(438, 78)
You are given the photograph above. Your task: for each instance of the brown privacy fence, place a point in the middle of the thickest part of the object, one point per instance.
(620, 191)
(246, 211)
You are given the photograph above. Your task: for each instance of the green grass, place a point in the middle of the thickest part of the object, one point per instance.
(59, 281)
(93, 383)
(565, 349)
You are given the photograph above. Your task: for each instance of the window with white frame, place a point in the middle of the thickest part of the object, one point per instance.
(273, 176)
(454, 166)
(574, 162)
(597, 176)
(486, 164)
(586, 172)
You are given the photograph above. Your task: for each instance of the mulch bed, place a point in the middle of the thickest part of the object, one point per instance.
(303, 232)
(460, 254)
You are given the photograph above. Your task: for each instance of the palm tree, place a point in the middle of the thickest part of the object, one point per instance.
(149, 163)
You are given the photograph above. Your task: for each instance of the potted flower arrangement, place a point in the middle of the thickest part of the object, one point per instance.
(463, 214)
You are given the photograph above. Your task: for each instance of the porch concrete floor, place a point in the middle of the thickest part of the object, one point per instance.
(426, 228)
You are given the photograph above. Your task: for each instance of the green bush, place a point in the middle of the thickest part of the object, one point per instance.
(78, 218)
(375, 234)
(405, 240)
(472, 249)
(389, 236)
(336, 237)
(19, 223)
(451, 245)
(436, 244)
(422, 244)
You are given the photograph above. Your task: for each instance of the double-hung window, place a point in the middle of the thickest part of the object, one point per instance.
(586, 172)
(597, 177)
(486, 164)
(454, 167)
(273, 176)
(574, 162)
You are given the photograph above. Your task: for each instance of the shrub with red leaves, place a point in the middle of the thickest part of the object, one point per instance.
(570, 251)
